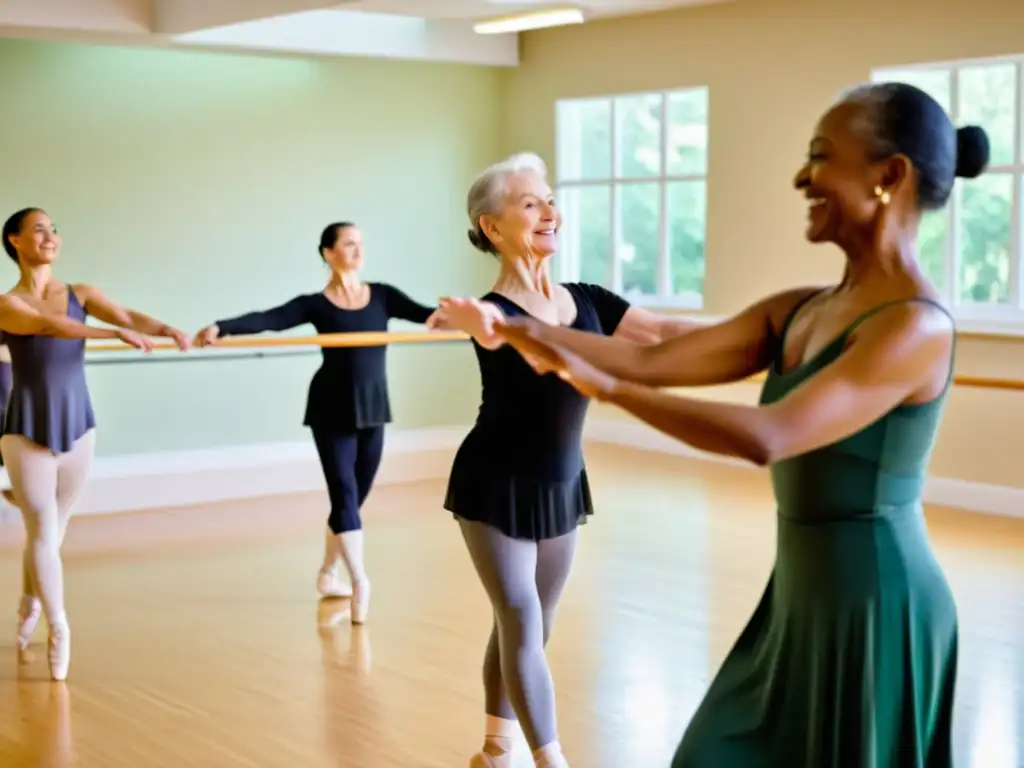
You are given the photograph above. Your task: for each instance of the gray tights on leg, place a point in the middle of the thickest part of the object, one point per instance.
(524, 580)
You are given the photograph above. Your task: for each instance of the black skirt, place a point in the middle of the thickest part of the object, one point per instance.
(520, 506)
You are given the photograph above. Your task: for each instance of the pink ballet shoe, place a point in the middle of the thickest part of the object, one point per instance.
(29, 613)
(330, 585)
(484, 760)
(360, 602)
(59, 651)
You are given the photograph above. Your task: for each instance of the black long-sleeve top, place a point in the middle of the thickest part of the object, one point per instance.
(350, 389)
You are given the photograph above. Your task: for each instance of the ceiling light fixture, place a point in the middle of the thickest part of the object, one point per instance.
(554, 17)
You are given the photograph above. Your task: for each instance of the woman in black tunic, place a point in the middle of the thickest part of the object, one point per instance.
(348, 402)
(518, 485)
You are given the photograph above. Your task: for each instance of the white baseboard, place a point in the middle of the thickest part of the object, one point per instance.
(986, 498)
(182, 478)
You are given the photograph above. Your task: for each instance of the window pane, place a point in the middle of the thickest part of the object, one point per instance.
(935, 82)
(984, 258)
(584, 139)
(585, 238)
(639, 211)
(688, 132)
(638, 126)
(932, 247)
(988, 97)
(687, 204)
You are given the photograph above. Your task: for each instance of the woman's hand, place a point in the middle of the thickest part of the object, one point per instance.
(134, 339)
(438, 321)
(546, 357)
(207, 337)
(180, 338)
(474, 317)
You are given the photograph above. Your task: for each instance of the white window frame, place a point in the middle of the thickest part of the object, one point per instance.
(568, 266)
(999, 320)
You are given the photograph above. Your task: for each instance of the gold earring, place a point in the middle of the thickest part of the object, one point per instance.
(883, 196)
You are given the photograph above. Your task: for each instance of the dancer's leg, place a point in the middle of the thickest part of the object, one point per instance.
(369, 450)
(73, 470)
(554, 564)
(510, 572)
(338, 455)
(33, 473)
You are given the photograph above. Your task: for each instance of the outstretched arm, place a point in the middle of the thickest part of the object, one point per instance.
(19, 318)
(697, 355)
(401, 306)
(289, 315)
(890, 359)
(108, 311)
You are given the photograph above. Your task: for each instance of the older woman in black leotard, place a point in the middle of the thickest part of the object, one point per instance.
(348, 403)
(518, 486)
(48, 426)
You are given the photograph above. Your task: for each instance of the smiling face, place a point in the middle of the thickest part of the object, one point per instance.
(36, 241)
(528, 217)
(840, 180)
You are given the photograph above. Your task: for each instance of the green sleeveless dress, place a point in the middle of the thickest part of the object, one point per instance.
(849, 660)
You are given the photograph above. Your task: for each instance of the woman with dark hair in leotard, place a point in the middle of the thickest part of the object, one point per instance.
(48, 426)
(518, 486)
(348, 405)
(851, 656)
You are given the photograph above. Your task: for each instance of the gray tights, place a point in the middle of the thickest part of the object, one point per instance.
(524, 580)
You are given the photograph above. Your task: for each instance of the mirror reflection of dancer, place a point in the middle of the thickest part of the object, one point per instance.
(851, 656)
(49, 426)
(518, 485)
(348, 404)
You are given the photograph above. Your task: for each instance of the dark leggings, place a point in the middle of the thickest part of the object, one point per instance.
(524, 581)
(350, 462)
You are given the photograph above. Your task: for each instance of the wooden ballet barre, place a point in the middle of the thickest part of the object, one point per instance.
(977, 382)
(357, 339)
(378, 338)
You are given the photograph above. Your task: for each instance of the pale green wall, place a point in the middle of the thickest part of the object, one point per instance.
(195, 185)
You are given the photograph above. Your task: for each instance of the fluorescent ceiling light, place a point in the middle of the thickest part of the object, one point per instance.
(555, 17)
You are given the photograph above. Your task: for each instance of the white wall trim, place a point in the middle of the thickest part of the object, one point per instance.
(183, 478)
(1002, 500)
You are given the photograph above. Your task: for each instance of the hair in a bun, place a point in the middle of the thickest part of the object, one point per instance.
(480, 241)
(972, 151)
(901, 119)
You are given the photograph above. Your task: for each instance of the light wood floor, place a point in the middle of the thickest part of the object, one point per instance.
(199, 640)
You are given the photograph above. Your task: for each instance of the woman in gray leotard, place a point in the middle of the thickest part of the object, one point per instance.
(47, 436)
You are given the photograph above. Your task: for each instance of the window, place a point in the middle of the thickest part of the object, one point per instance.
(972, 248)
(632, 186)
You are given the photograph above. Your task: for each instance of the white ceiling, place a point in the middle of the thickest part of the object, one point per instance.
(432, 30)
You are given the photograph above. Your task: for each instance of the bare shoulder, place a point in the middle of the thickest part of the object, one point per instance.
(82, 289)
(913, 320)
(905, 340)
